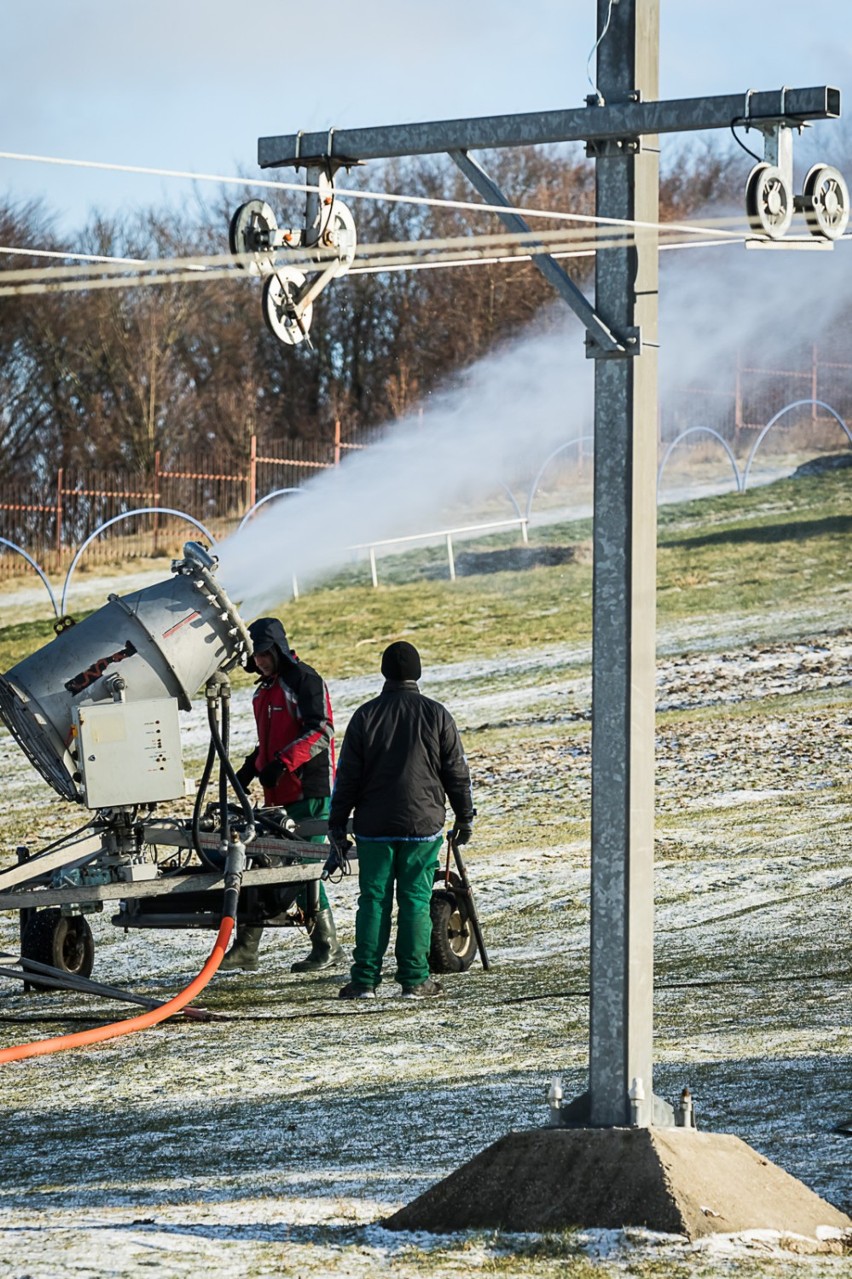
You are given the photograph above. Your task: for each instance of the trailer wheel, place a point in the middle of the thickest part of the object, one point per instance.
(453, 948)
(63, 941)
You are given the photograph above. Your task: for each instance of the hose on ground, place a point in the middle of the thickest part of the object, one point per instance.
(97, 1034)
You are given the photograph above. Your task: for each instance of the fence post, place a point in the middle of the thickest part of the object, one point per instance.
(60, 479)
(156, 501)
(337, 441)
(450, 561)
(814, 381)
(738, 396)
(252, 472)
(373, 572)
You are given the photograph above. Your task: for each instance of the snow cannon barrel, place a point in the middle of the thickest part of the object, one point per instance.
(164, 641)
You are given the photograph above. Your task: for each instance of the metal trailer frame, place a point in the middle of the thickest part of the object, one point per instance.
(191, 898)
(148, 897)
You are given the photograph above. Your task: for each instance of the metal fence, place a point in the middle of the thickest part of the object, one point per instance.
(54, 518)
(749, 392)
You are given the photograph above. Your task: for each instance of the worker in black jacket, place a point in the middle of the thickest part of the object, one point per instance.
(401, 760)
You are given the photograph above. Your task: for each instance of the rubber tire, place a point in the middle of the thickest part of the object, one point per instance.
(453, 948)
(63, 941)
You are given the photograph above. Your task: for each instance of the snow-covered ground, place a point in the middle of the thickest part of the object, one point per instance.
(274, 1141)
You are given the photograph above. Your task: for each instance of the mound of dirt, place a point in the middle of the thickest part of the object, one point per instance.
(512, 558)
(818, 465)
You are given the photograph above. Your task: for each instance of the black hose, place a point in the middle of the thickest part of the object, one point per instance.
(277, 827)
(196, 811)
(224, 742)
(235, 860)
(227, 766)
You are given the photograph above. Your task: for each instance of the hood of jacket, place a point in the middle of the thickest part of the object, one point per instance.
(267, 633)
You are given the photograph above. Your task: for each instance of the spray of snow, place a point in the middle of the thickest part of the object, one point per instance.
(716, 301)
(518, 403)
(514, 407)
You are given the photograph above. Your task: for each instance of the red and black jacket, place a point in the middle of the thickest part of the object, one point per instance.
(293, 714)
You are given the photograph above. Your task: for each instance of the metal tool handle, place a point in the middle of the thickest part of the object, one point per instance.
(474, 917)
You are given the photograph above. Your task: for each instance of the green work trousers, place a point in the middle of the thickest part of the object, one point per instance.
(299, 810)
(409, 864)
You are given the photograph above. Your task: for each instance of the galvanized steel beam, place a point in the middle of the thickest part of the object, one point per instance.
(620, 125)
(620, 117)
(556, 275)
(624, 587)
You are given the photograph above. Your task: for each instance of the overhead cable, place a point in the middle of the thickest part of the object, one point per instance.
(372, 259)
(350, 192)
(595, 48)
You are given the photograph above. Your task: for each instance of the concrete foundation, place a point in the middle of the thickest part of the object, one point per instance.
(675, 1180)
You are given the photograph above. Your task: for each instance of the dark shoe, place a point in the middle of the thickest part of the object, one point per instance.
(325, 948)
(243, 953)
(424, 990)
(351, 991)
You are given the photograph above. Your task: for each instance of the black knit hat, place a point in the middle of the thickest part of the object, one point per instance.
(401, 661)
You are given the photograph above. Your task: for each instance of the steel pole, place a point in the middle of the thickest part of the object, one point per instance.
(627, 183)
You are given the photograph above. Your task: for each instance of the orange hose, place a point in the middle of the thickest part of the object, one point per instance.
(41, 1047)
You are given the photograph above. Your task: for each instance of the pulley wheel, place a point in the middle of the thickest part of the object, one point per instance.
(769, 201)
(334, 228)
(251, 229)
(826, 202)
(280, 295)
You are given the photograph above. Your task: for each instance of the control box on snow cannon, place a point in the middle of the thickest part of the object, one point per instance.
(95, 710)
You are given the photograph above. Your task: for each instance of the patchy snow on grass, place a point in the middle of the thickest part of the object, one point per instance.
(275, 1140)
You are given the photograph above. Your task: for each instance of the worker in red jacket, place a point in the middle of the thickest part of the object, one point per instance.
(294, 763)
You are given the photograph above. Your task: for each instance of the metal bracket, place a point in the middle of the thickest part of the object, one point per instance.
(778, 148)
(612, 148)
(652, 1112)
(552, 271)
(632, 345)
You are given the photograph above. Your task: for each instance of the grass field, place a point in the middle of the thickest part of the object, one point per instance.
(273, 1142)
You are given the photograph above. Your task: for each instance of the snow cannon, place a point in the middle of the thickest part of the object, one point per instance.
(96, 709)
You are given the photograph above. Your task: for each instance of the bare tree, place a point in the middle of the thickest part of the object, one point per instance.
(114, 376)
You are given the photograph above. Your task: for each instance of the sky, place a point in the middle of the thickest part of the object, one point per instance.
(190, 85)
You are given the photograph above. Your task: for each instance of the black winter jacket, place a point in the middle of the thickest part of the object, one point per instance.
(401, 755)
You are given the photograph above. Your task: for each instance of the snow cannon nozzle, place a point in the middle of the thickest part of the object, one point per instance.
(196, 555)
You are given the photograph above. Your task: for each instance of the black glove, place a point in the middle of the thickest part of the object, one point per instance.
(338, 858)
(270, 775)
(338, 838)
(462, 832)
(246, 773)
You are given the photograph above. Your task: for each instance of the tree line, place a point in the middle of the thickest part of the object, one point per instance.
(114, 377)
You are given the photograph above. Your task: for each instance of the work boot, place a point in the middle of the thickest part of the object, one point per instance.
(243, 953)
(325, 948)
(351, 991)
(425, 990)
